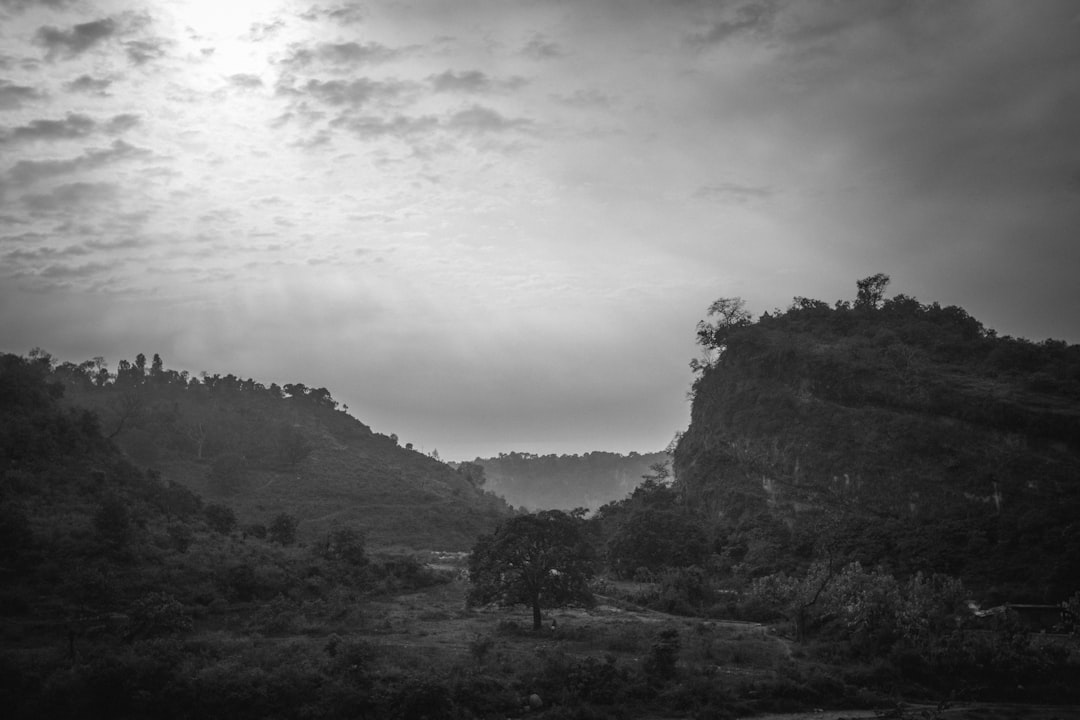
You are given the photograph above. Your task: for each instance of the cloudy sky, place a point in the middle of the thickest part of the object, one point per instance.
(492, 225)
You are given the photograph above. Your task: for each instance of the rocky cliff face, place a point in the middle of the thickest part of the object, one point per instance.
(950, 448)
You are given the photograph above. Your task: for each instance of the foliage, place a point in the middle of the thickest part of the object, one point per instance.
(155, 614)
(942, 446)
(220, 518)
(541, 560)
(282, 529)
(660, 665)
(113, 521)
(873, 609)
(255, 445)
(655, 538)
(345, 544)
(731, 315)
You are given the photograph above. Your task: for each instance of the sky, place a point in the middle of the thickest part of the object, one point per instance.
(492, 225)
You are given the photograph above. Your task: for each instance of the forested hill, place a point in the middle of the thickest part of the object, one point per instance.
(938, 445)
(565, 482)
(264, 449)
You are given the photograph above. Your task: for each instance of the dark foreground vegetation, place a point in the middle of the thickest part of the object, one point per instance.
(786, 568)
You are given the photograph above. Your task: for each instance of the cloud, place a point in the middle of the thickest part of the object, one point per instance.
(13, 96)
(141, 52)
(121, 123)
(31, 171)
(245, 80)
(400, 126)
(261, 31)
(89, 85)
(471, 81)
(75, 125)
(541, 48)
(75, 272)
(468, 81)
(44, 253)
(20, 5)
(480, 119)
(753, 19)
(585, 98)
(70, 195)
(342, 92)
(348, 54)
(733, 192)
(77, 40)
(341, 14)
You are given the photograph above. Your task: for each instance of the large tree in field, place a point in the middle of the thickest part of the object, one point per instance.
(539, 560)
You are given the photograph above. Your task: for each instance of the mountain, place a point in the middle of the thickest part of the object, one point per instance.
(565, 482)
(263, 450)
(928, 441)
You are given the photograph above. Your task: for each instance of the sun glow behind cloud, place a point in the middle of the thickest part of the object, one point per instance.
(518, 210)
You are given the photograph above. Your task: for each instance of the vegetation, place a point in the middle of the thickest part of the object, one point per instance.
(863, 488)
(540, 560)
(937, 445)
(266, 450)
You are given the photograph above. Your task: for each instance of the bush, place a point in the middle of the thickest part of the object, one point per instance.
(282, 529)
(181, 536)
(113, 521)
(220, 518)
(660, 665)
(156, 614)
(345, 544)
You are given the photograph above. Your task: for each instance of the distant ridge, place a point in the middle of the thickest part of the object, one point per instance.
(565, 482)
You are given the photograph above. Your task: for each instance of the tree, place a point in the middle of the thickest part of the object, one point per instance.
(540, 560)
(473, 473)
(871, 291)
(731, 315)
(656, 537)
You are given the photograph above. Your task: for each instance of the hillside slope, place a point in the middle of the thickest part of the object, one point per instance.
(937, 445)
(265, 450)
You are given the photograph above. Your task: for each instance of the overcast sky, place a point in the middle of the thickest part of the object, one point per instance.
(493, 225)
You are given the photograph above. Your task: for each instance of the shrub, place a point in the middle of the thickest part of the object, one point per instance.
(345, 544)
(282, 529)
(220, 518)
(181, 536)
(156, 614)
(113, 521)
(663, 655)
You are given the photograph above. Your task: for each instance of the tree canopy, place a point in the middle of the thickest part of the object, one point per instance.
(540, 560)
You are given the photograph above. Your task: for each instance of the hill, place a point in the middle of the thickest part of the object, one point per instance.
(565, 482)
(927, 440)
(264, 450)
